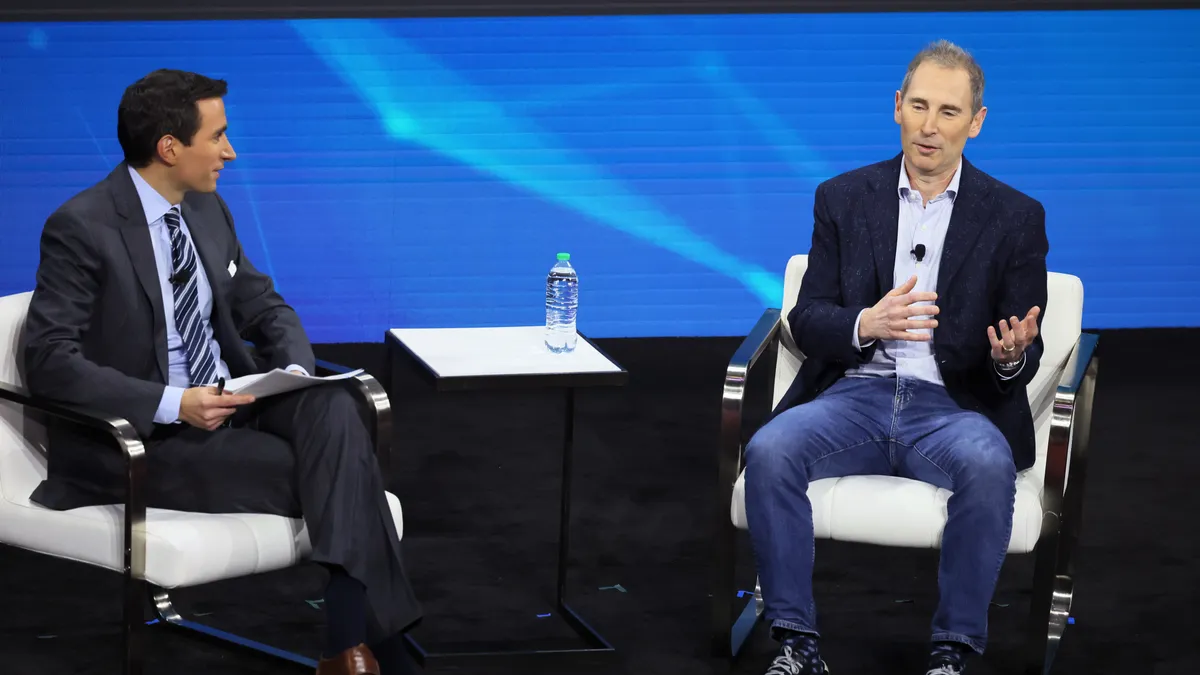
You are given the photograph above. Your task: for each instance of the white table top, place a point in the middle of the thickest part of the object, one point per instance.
(508, 350)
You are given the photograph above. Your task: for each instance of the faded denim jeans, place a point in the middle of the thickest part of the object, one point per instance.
(882, 426)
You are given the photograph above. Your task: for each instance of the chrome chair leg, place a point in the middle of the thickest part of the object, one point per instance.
(1050, 604)
(759, 605)
(1060, 611)
(134, 618)
(165, 610)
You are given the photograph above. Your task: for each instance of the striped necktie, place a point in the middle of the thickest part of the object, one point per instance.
(184, 282)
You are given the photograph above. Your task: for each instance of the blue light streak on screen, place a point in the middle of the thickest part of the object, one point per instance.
(424, 172)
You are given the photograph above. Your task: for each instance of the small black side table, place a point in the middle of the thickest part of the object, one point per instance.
(456, 359)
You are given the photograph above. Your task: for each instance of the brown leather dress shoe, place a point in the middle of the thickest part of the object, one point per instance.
(354, 661)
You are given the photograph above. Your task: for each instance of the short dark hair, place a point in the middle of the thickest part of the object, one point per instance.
(160, 104)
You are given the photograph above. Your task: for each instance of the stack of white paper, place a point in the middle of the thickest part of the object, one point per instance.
(279, 381)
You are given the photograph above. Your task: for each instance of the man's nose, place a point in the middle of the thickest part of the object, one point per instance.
(929, 125)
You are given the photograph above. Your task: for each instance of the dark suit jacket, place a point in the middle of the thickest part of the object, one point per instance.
(96, 334)
(993, 266)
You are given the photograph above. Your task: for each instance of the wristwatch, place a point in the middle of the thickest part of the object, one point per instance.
(1010, 366)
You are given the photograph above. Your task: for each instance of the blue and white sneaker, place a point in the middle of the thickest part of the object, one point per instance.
(798, 655)
(948, 658)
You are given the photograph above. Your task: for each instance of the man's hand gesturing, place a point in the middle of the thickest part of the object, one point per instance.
(1014, 336)
(892, 317)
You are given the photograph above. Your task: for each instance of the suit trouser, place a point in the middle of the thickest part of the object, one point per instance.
(305, 453)
(882, 426)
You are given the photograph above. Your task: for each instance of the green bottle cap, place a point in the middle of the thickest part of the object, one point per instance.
(564, 256)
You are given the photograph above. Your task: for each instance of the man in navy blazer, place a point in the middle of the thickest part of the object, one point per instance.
(918, 316)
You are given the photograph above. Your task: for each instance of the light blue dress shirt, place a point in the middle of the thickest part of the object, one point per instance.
(924, 224)
(155, 207)
(178, 378)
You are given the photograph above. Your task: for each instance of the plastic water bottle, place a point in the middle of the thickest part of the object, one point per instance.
(562, 303)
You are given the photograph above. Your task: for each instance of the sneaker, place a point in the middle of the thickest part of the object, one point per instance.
(948, 658)
(798, 655)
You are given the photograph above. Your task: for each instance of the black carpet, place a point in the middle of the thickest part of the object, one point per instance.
(478, 476)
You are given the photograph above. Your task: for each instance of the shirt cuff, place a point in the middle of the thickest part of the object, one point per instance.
(168, 406)
(1010, 374)
(299, 368)
(854, 335)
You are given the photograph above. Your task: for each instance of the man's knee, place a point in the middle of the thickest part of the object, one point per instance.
(331, 410)
(989, 459)
(767, 448)
(330, 403)
(782, 444)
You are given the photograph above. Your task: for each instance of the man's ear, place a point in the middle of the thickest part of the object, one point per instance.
(977, 122)
(168, 150)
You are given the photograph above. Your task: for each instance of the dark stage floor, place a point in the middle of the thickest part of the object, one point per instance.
(478, 476)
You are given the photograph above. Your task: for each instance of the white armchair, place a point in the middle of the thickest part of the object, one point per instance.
(156, 549)
(892, 511)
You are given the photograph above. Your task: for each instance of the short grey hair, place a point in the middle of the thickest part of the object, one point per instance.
(949, 55)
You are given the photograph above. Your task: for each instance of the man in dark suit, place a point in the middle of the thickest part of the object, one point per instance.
(144, 300)
(919, 316)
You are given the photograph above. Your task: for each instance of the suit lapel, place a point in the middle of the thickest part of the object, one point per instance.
(206, 249)
(966, 224)
(885, 218)
(209, 253)
(136, 233)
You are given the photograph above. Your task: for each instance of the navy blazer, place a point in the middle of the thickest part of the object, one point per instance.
(993, 267)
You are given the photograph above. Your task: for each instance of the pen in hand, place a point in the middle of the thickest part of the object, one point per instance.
(220, 386)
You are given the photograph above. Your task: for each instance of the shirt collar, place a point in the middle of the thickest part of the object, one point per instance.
(154, 204)
(951, 190)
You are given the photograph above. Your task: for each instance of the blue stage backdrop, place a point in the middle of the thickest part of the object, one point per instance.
(425, 172)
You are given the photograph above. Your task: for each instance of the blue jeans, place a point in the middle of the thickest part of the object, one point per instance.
(882, 426)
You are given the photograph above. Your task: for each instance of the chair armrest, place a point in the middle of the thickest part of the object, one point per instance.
(740, 366)
(1077, 365)
(130, 444)
(1070, 432)
(374, 403)
(118, 427)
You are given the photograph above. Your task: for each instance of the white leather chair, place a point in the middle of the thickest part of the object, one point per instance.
(892, 511)
(156, 549)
